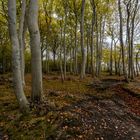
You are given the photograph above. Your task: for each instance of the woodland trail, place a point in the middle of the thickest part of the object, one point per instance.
(74, 110)
(96, 119)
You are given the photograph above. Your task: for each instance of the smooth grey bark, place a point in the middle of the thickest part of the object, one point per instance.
(97, 48)
(21, 39)
(115, 56)
(132, 38)
(61, 66)
(131, 10)
(102, 32)
(83, 65)
(71, 42)
(75, 10)
(111, 53)
(88, 49)
(64, 43)
(128, 38)
(17, 79)
(47, 62)
(75, 68)
(37, 91)
(54, 52)
(46, 59)
(119, 62)
(65, 63)
(92, 35)
(121, 40)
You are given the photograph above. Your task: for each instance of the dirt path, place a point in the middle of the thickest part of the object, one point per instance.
(75, 111)
(95, 119)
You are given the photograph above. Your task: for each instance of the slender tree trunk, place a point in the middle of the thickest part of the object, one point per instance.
(35, 50)
(17, 79)
(65, 61)
(132, 38)
(88, 36)
(137, 63)
(61, 66)
(121, 41)
(128, 39)
(71, 70)
(97, 49)
(21, 41)
(92, 36)
(102, 29)
(46, 62)
(54, 59)
(75, 68)
(119, 63)
(115, 58)
(111, 56)
(83, 66)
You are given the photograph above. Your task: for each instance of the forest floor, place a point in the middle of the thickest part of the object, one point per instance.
(106, 109)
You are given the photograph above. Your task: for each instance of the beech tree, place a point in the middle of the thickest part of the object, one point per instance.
(21, 38)
(121, 40)
(17, 79)
(83, 65)
(92, 35)
(36, 64)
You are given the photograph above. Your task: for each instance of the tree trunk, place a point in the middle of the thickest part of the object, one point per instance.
(88, 36)
(35, 50)
(132, 39)
(46, 59)
(111, 56)
(121, 41)
(61, 66)
(92, 36)
(137, 63)
(102, 30)
(75, 68)
(115, 58)
(17, 79)
(71, 70)
(65, 25)
(21, 41)
(97, 49)
(128, 39)
(119, 63)
(83, 66)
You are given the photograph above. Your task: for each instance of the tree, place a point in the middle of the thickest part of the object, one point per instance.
(37, 91)
(92, 34)
(17, 79)
(83, 65)
(75, 8)
(131, 10)
(21, 38)
(121, 40)
(65, 6)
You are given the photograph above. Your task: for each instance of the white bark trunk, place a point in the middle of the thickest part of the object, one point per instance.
(17, 80)
(21, 39)
(35, 50)
(83, 66)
